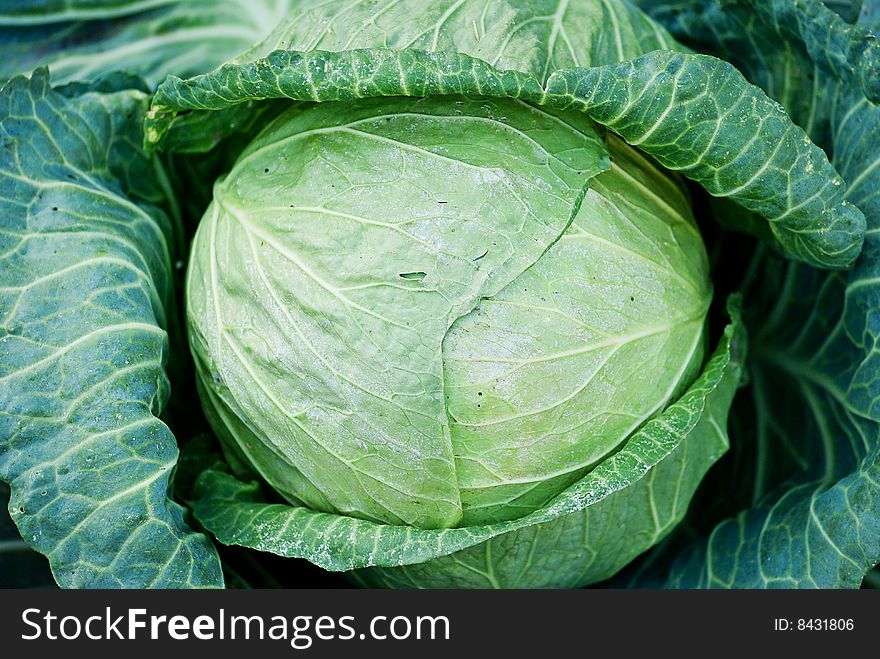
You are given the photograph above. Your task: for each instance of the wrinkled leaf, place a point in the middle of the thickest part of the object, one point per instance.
(85, 297)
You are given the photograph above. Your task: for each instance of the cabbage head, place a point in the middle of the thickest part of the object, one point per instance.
(466, 293)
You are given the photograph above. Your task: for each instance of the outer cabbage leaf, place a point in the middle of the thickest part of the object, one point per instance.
(20, 565)
(848, 52)
(688, 111)
(525, 35)
(847, 9)
(868, 15)
(532, 36)
(85, 294)
(806, 444)
(85, 39)
(23, 12)
(814, 519)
